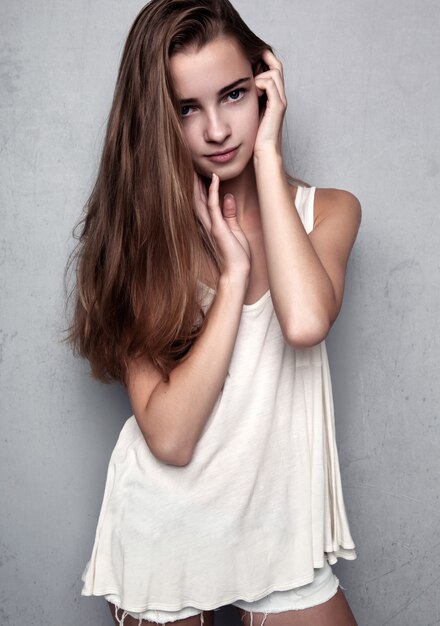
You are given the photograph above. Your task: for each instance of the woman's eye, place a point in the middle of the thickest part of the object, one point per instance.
(237, 94)
(185, 110)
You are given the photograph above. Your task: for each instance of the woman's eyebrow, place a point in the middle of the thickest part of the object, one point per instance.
(222, 91)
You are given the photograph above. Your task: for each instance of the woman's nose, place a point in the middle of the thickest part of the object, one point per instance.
(217, 128)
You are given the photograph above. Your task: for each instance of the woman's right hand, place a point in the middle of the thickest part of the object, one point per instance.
(222, 224)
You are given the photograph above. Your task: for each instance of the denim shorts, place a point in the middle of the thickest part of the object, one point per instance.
(323, 587)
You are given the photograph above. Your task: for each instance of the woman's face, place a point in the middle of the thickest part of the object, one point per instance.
(218, 105)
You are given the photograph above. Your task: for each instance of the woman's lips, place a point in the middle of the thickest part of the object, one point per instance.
(223, 157)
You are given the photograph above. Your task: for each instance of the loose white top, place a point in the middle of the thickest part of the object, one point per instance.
(259, 505)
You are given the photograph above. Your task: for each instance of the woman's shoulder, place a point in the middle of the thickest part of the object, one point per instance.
(336, 204)
(328, 201)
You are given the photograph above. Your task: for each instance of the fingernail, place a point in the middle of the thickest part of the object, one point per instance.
(228, 195)
(213, 175)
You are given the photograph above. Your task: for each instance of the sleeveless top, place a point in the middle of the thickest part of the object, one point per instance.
(260, 504)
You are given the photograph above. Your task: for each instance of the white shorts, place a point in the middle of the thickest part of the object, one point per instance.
(323, 587)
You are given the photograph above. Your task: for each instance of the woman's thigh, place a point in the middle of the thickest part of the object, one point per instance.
(333, 612)
(318, 603)
(122, 618)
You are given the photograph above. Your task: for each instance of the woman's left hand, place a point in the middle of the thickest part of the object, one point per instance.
(271, 83)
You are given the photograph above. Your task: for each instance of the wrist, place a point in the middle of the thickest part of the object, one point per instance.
(234, 282)
(269, 155)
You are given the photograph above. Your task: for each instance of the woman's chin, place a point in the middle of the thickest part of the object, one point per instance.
(225, 172)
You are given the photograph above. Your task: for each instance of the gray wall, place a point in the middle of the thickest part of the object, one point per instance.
(363, 86)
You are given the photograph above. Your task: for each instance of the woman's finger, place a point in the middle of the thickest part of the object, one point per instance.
(226, 230)
(263, 82)
(230, 212)
(224, 218)
(271, 85)
(214, 201)
(231, 219)
(217, 214)
(272, 61)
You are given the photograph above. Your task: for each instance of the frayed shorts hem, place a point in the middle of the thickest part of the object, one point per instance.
(323, 587)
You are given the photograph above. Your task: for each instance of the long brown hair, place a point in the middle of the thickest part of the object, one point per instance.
(141, 246)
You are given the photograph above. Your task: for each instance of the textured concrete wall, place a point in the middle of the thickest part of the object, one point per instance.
(364, 94)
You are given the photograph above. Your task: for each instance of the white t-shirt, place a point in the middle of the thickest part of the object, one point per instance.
(259, 506)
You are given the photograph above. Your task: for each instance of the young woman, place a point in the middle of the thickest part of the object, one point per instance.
(207, 281)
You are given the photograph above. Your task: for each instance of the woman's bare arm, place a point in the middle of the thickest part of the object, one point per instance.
(172, 415)
(306, 273)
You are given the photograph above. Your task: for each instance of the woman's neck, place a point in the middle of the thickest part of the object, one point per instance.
(244, 190)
